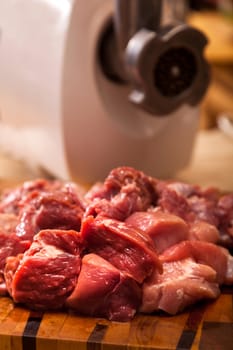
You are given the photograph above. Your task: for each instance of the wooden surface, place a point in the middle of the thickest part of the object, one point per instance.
(207, 326)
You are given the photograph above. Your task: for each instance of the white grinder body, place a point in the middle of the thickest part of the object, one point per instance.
(60, 112)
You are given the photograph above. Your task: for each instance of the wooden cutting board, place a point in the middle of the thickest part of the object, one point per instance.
(207, 326)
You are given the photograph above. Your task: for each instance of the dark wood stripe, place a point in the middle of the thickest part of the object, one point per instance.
(216, 335)
(188, 335)
(30, 331)
(227, 290)
(186, 340)
(96, 337)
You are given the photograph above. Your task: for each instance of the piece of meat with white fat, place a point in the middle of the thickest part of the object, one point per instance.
(182, 283)
(192, 271)
(205, 253)
(103, 291)
(127, 248)
(124, 191)
(47, 272)
(164, 229)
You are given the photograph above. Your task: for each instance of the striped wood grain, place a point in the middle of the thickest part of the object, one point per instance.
(205, 326)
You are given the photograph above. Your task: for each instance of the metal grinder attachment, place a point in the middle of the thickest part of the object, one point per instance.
(163, 63)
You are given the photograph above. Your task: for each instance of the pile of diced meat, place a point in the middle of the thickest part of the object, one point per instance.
(132, 244)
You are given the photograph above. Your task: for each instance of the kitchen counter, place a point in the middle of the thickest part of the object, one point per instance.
(211, 163)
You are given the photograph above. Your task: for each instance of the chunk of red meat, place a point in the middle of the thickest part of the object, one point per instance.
(103, 291)
(97, 190)
(13, 199)
(11, 266)
(127, 248)
(10, 245)
(205, 253)
(203, 231)
(165, 229)
(59, 209)
(225, 214)
(3, 288)
(189, 190)
(172, 202)
(183, 283)
(48, 271)
(8, 223)
(204, 209)
(182, 189)
(124, 191)
(188, 201)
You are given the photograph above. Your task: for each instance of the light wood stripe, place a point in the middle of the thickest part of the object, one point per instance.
(116, 336)
(49, 330)
(6, 307)
(77, 329)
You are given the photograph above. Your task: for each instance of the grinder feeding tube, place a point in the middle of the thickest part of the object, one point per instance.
(89, 86)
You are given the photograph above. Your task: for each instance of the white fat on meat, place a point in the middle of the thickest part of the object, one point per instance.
(181, 284)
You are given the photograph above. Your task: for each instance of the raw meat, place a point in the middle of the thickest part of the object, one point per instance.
(13, 199)
(192, 271)
(189, 202)
(10, 245)
(103, 291)
(183, 283)
(125, 247)
(8, 223)
(205, 253)
(124, 191)
(47, 272)
(60, 209)
(225, 214)
(164, 229)
(203, 231)
(194, 204)
(131, 243)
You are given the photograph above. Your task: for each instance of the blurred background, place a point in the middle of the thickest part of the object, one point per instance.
(215, 18)
(213, 156)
